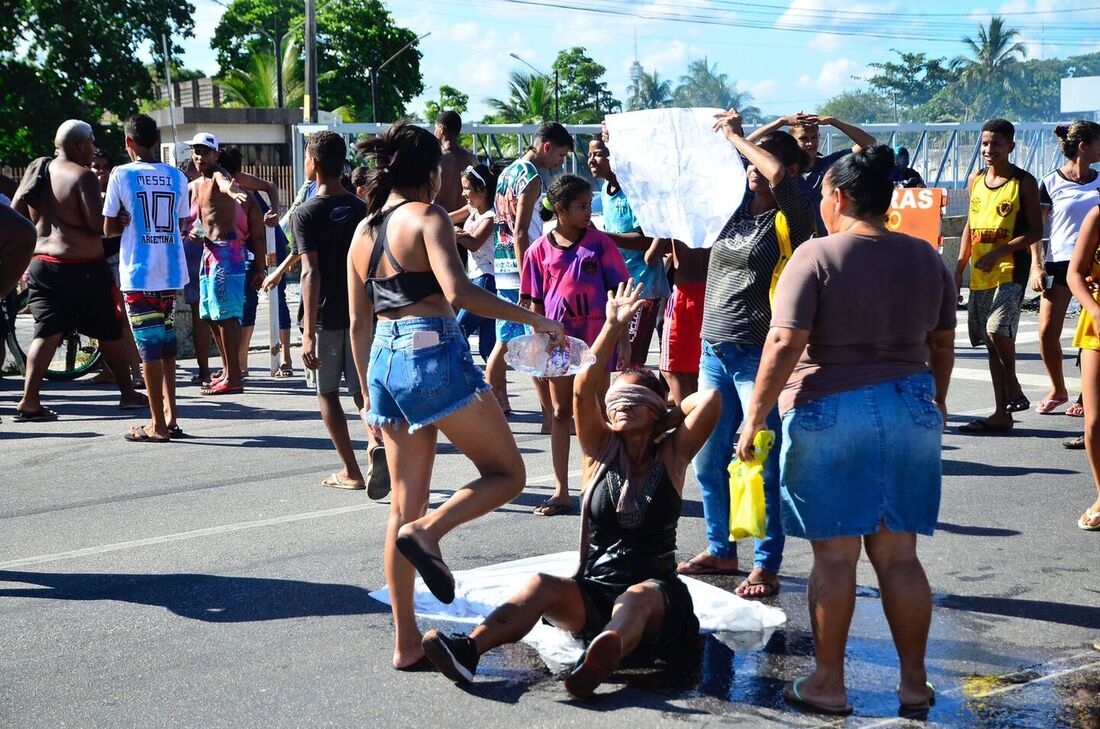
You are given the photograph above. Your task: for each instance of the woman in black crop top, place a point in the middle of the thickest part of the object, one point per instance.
(420, 377)
(634, 478)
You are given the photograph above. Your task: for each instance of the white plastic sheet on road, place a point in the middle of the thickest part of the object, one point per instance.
(740, 623)
(683, 179)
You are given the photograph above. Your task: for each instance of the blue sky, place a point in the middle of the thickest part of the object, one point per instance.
(792, 55)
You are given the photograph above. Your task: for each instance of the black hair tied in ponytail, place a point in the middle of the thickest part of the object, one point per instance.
(405, 156)
(865, 178)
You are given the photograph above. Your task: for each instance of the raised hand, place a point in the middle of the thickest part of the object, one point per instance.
(624, 303)
(729, 123)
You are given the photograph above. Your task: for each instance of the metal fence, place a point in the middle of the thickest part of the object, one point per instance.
(944, 154)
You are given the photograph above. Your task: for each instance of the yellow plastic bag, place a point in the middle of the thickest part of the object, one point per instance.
(747, 490)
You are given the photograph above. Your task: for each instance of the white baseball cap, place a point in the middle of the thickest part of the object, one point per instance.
(204, 139)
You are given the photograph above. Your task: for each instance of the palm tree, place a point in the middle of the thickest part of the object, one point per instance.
(993, 70)
(530, 100)
(256, 86)
(649, 91)
(705, 86)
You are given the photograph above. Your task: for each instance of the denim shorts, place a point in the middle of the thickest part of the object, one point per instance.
(857, 459)
(420, 386)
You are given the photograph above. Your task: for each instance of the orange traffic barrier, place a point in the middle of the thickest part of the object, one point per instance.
(918, 211)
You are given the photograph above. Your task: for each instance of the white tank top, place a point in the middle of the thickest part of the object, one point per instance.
(1069, 203)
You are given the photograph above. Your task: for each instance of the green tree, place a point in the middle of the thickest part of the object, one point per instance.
(859, 107)
(584, 97)
(530, 101)
(991, 74)
(704, 86)
(353, 36)
(256, 86)
(912, 81)
(450, 99)
(83, 62)
(649, 91)
(238, 34)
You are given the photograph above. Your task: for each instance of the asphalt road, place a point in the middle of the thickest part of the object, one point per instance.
(213, 582)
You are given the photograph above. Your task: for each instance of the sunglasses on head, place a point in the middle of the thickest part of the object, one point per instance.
(473, 173)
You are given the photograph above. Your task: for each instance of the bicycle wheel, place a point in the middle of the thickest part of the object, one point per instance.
(75, 355)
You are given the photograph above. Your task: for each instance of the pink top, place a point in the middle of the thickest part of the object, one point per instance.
(572, 283)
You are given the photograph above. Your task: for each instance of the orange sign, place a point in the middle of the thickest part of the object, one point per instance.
(918, 211)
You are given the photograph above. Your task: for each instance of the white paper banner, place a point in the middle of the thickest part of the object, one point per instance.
(742, 624)
(683, 179)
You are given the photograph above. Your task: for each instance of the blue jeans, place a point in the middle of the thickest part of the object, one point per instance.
(486, 328)
(731, 369)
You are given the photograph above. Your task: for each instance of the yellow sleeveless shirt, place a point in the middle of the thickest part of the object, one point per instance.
(992, 223)
(1086, 336)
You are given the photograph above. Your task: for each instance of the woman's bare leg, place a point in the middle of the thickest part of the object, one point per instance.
(557, 598)
(1052, 316)
(831, 592)
(907, 602)
(410, 467)
(481, 433)
(1090, 392)
(561, 398)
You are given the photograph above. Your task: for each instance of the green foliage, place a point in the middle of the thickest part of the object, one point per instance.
(450, 99)
(352, 36)
(992, 72)
(257, 86)
(859, 107)
(530, 101)
(584, 97)
(704, 86)
(911, 82)
(649, 91)
(83, 63)
(238, 34)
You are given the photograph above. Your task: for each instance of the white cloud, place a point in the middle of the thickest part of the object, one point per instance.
(464, 32)
(661, 59)
(833, 76)
(762, 89)
(825, 42)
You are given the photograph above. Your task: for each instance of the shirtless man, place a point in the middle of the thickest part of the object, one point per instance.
(215, 207)
(70, 283)
(448, 126)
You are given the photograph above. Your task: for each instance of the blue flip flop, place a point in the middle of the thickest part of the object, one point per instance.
(794, 698)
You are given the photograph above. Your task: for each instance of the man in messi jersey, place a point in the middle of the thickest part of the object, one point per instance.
(1002, 233)
(152, 266)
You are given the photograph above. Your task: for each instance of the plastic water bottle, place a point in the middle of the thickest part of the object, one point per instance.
(534, 355)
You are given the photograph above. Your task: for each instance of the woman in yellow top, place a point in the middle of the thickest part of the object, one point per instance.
(1084, 268)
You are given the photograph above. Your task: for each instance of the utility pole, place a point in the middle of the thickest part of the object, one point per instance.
(171, 95)
(311, 62)
(277, 39)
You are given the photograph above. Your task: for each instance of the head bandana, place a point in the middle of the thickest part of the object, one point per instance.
(622, 395)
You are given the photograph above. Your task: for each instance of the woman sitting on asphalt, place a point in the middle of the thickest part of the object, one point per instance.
(625, 593)
(420, 377)
(859, 357)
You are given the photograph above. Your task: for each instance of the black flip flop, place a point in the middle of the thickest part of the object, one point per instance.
(433, 570)
(918, 712)
(1018, 404)
(177, 432)
(548, 509)
(980, 427)
(41, 415)
(378, 474)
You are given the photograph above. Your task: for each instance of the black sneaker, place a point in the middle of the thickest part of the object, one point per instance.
(454, 655)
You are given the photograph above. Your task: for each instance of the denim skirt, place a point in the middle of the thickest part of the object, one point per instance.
(421, 371)
(858, 459)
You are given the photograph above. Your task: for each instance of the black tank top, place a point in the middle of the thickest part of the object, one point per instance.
(628, 549)
(403, 288)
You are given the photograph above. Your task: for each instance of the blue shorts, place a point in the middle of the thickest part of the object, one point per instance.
(222, 281)
(192, 250)
(857, 459)
(423, 385)
(509, 330)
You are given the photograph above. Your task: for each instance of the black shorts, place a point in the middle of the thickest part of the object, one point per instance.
(679, 628)
(1058, 270)
(66, 296)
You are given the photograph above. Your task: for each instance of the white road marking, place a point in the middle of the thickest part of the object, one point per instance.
(211, 531)
(1027, 380)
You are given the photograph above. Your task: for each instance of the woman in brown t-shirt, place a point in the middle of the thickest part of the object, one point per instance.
(859, 356)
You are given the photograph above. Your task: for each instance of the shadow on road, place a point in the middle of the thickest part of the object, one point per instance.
(975, 531)
(973, 468)
(210, 598)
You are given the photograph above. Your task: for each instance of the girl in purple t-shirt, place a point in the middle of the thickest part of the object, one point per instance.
(566, 276)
